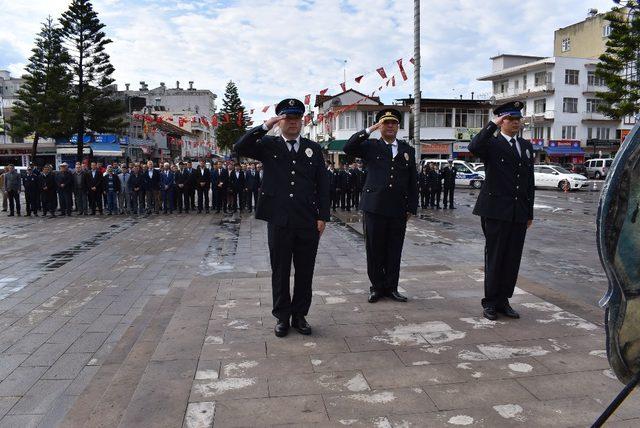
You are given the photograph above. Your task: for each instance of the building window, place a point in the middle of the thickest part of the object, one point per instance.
(599, 133)
(566, 44)
(593, 104)
(594, 80)
(437, 118)
(541, 78)
(471, 118)
(606, 30)
(501, 87)
(516, 85)
(524, 82)
(571, 77)
(369, 119)
(570, 105)
(539, 106)
(538, 132)
(347, 120)
(569, 132)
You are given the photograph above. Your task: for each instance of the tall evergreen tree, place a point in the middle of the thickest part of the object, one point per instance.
(94, 105)
(43, 107)
(621, 56)
(232, 118)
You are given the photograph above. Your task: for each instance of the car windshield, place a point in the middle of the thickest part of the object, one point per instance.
(561, 170)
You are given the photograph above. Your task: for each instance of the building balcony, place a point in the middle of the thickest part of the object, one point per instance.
(540, 117)
(596, 116)
(520, 94)
(592, 89)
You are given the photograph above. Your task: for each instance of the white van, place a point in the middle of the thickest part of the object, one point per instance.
(465, 176)
(598, 168)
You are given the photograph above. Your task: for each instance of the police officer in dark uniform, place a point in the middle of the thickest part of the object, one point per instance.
(435, 186)
(390, 197)
(334, 183)
(449, 181)
(294, 200)
(423, 186)
(505, 204)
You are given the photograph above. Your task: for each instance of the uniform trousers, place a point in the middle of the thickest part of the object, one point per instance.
(504, 241)
(301, 246)
(384, 237)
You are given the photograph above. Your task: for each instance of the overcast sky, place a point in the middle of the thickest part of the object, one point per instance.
(280, 48)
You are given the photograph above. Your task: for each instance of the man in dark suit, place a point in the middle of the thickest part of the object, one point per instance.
(167, 187)
(251, 185)
(423, 186)
(505, 204)
(189, 187)
(237, 188)
(94, 186)
(334, 182)
(390, 197)
(294, 200)
(202, 178)
(136, 190)
(435, 186)
(219, 180)
(64, 183)
(152, 188)
(358, 184)
(47, 184)
(345, 184)
(449, 183)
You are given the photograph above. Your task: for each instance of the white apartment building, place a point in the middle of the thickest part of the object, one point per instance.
(560, 111)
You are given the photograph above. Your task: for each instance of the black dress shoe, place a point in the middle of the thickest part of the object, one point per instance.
(490, 313)
(301, 325)
(282, 328)
(394, 295)
(374, 296)
(508, 311)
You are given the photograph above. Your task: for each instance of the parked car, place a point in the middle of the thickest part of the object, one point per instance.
(466, 175)
(480, 168)
(556, 177)
(576, 168)
(598, 168)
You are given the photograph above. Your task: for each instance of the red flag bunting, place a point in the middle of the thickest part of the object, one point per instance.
(324, 91)
(240, 118)
(227, 118)
(307, 119)
(393, 80)
(214, 120)
(358, 79)
(412, 61)
(381, 72)
(402, 72)
(307, 99)
(387, 84)
(265, 108)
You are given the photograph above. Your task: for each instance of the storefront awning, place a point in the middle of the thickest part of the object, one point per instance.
(106, 149)
(564, 151)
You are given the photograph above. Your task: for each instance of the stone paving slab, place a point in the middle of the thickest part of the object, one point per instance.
(167, 322)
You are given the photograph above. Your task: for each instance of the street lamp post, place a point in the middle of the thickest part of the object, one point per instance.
(416, 79)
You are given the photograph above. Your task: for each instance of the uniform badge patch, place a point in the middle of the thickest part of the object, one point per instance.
(308, 152)
(406, 156)
(528, 154)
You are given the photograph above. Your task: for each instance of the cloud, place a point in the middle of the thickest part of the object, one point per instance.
(280, 48)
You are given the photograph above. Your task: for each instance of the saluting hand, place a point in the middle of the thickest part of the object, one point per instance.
(499, 119)
(321, 226)
(274, 120)
(376, 126)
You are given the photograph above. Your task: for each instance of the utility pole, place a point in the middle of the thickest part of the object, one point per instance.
(416, 79)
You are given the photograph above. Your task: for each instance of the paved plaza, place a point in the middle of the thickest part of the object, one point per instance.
(165, 321)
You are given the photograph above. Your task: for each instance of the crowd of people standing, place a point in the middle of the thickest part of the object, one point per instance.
(132, 189)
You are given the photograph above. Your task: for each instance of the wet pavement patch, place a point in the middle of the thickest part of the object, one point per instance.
(222, 249)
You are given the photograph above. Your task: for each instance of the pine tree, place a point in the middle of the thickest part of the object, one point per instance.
(43, 106)
(94, 106)
(622, 54)
(230, 129)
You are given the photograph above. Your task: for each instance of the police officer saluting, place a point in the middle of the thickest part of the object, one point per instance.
(389, 198)
(505, 204)
(294, 200)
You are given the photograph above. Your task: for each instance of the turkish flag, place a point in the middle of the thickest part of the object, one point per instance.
(307, 99)
(358, 79)
(307, 119)
(402, 72)
(227, 118)
(214, 120)
(324, 91)
(381, 72)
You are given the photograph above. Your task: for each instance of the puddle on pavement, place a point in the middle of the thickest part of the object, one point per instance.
(222, 248)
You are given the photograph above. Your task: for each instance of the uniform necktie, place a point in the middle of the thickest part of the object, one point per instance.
(513, 146)
(390, 148)
(292, 146)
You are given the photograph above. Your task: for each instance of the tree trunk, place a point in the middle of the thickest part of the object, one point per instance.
(34, 147)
